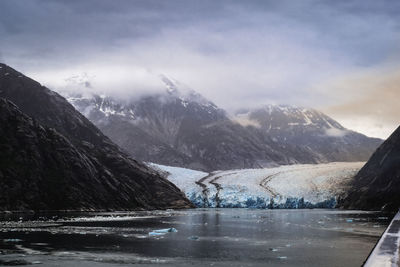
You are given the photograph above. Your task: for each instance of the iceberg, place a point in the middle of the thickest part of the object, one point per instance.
(162, 231)
(167, 230)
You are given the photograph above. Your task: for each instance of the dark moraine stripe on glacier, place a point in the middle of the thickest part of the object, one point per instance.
(386, 252)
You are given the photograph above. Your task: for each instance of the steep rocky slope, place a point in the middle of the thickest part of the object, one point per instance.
(54, 158)
(179, 127)
(377, 185)
(185, 130)
(310, 128)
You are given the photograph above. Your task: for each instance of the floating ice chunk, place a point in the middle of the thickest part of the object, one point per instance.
(273, 249)
(349, 220)
(282, 257)
(163, 231)
(141, 236)
(156, 234)
(167, 230)
(193, 237)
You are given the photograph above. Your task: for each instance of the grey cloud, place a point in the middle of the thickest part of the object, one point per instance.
(372, 102)
(234, 52)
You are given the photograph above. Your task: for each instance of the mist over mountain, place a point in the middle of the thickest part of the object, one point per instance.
(53, 158)
(179, 127)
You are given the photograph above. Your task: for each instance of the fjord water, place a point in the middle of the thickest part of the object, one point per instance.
(204, 237)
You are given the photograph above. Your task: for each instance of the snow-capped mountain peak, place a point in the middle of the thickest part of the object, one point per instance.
(178, 126)
(184, 93)
(170, 84)
(99, 105)
(283, 116)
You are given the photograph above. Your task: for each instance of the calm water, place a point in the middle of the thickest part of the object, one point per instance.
(204, 237)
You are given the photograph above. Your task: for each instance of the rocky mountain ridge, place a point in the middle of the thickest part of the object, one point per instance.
(182, 128)
(310, 128)
(66, 161)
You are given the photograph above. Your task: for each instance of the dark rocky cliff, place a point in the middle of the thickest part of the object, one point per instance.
(53, 158)
(377, 185)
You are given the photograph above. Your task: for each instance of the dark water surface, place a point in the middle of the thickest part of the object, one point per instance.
(204, 237)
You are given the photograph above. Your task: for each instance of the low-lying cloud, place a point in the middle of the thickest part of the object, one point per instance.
(372, 105)
(114, 80)
(334, 132)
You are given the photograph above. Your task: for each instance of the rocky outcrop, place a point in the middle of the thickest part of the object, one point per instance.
(377, 185)
(53, 158)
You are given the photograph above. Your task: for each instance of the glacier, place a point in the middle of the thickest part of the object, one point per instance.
(286, 187)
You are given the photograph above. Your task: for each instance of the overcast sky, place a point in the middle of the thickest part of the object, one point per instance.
(341, 57)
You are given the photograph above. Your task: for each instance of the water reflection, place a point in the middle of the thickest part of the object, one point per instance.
(218, 237)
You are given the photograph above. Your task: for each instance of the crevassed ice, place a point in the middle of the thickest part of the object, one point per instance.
(294, 186)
